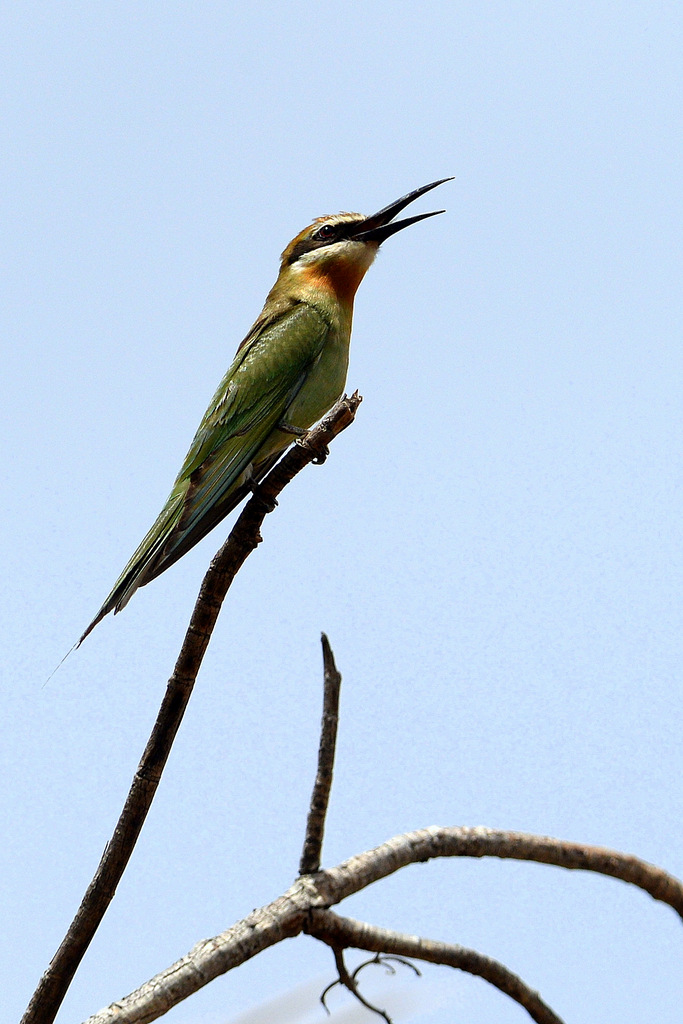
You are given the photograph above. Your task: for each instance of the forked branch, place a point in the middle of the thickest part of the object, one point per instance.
(305, 906)
(290, 914)
(350, 982)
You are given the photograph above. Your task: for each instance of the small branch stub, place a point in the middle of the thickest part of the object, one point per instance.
(315, 825)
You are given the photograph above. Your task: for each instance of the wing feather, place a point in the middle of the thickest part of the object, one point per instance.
(269, 370)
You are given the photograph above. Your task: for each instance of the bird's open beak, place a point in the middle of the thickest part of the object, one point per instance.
(378, 227)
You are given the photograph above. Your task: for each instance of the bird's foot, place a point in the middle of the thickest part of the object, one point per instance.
(320, 454)
(289, 428)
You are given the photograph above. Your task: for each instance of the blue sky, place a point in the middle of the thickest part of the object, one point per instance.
(494, 548)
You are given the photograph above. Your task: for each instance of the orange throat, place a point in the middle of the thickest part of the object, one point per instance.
(339, 279)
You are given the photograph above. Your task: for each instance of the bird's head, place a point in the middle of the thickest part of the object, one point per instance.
(333, 253)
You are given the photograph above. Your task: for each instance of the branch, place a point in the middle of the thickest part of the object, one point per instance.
(343, 932)
(288, 916)
(243, 539)
(424, 844)
(315, 825)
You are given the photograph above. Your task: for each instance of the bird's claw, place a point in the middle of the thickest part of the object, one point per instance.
(321, 457)
(320, 454)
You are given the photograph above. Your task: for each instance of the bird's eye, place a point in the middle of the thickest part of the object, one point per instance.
(325, 233)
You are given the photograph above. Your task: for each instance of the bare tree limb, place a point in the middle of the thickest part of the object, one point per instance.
(343, 932)
(424, 844)
(315, 826)
(288, 915)
(244, 537)
(282, 919)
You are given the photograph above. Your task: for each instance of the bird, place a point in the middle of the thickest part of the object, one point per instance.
(287, 373)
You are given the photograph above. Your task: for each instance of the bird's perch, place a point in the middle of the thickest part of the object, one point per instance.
(306, 907)
(243, 538)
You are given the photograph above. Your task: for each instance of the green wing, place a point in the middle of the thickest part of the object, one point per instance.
(269, 370)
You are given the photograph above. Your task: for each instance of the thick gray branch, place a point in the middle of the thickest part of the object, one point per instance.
(424, 844)
(287, 916)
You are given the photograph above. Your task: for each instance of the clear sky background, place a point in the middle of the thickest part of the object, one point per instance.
(494, 548)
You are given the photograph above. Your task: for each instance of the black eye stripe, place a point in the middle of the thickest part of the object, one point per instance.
(324, 235)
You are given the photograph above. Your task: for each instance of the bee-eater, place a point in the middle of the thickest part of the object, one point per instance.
(287, 373)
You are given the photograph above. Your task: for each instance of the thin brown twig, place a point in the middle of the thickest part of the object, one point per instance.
(243, 539)
(343, 932)
(315, 825)
(349, 982)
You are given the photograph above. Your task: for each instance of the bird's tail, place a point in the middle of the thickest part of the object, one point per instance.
(141, 567)
(172, 535)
